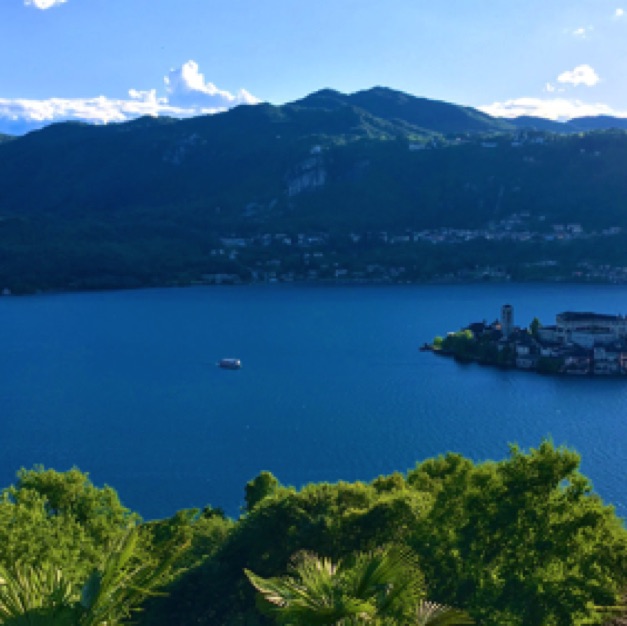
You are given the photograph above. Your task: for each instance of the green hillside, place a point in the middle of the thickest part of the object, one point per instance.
(151, 201)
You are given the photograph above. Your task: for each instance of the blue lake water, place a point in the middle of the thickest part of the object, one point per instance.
(124, 385)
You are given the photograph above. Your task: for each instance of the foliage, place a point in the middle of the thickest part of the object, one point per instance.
(336, 520)
(259, 488)
(146, 202)
(367, 588)
(519, 542)
(58, 528)
(195, 534)
(33, 595)
(30, 596)
(433, 614)
(522, 541)
(60, 518)
(535, 326)
(461, 343)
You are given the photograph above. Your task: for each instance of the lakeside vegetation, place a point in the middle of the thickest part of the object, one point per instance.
(520, 542)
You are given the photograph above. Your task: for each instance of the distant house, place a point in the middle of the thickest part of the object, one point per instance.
(221, 279)
(234, 242)
(608, 362)
(577, 365)
(527, 361)
(548, 334)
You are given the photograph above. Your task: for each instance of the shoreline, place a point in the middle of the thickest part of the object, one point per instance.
(331, 282)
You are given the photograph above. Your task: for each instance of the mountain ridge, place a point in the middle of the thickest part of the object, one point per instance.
(149, 201)
(426, 113)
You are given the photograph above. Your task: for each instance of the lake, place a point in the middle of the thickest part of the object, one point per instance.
(124, 385)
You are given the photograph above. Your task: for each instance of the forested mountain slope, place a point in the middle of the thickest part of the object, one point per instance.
(146, 202)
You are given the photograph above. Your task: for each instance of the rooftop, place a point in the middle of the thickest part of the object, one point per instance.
(570, 316)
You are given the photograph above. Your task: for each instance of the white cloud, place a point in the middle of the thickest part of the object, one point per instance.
(557, 109)
(581, 75)
(187, 95)
(549, 88)
(583, 32)
(100, 110)
(186, 86)
(43, 4)
(619, 13)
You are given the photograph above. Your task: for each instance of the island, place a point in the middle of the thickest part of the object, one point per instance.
(578, 344)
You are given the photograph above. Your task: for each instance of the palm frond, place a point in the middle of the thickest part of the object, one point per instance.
(362, 590)
(35, 595)
(434, 614)
(113, 594)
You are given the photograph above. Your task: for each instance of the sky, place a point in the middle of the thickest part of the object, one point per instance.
(108, 61)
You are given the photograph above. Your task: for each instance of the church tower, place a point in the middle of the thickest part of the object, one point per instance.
(507, 320)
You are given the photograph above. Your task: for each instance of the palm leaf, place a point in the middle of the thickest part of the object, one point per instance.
(35, 595)
(320, 592)
(41, 596)
(434, 614)
(113, 594)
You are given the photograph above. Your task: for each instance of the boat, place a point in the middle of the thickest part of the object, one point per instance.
(230, 364)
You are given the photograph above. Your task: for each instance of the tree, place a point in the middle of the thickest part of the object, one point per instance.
(336, 520)
(259, 488)
(196, 535)
(534, 327)
(60, 518)
(365, 589)
(461, 343)
(523, 541)
(42, 595)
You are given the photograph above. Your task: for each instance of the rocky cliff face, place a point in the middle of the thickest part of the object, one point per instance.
(307, 175)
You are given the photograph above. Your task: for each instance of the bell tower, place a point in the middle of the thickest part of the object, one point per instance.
(507, 320)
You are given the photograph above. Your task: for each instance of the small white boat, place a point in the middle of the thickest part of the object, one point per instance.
(230, 364)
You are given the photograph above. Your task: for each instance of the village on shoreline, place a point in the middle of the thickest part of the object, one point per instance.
(578, 344)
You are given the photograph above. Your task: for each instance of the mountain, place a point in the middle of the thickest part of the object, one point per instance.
(599, 122)
(575, 125)
(429, 115)
(153, 200)
(528, 122)
(163, 161)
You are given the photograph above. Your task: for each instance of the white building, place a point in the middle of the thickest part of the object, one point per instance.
(589, 329)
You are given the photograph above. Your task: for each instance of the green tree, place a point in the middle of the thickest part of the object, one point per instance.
(520, 542)
(535, 326)
(259, 488)
(60, 518)
(461, 343)
(41, 595)
(331, 519)
(198, 534)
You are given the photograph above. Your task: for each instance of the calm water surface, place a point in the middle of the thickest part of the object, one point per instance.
(124, 385)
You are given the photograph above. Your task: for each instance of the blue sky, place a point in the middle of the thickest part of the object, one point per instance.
(111, 60)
